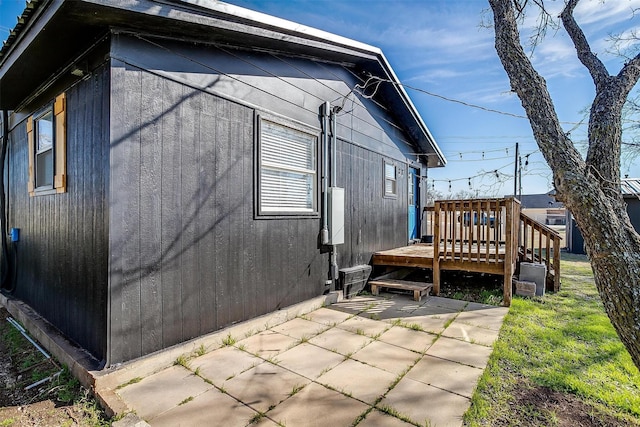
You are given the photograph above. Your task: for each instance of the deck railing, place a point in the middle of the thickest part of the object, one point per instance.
(476, 235)
(541, 245)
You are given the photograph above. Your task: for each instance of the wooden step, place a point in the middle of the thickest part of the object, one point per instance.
(419, 289)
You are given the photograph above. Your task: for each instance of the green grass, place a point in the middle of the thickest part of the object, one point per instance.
(63, 388)
(563, 341)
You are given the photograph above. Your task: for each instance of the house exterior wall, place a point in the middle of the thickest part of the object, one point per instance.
(633, 209)
(188, 254)
(575, 241)
(61, 259)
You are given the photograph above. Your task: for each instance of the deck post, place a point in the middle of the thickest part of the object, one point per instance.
(556, 263)
(509, 253)
(436, 249)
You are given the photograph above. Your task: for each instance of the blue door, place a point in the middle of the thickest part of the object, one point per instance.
(414, 204)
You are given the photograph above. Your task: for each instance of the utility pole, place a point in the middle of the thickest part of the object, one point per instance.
(515, 173)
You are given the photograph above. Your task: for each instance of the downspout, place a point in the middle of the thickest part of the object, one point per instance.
(6, 276)
(332, 156)
(324, 233)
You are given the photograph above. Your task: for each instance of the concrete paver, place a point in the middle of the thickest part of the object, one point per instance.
(340, 341)
(460, 351)
(425, 404)
(361, 325)
(308, 360)
(330, 366)
(264, 386)
(433, 323)
(386, 356)
(376, 418)
(223, 364)
(470, 333)
(485, 308)
(355, 379)
(328, 316)
(267, 343)
(162, 391)
(410, 339)
(445, 374)
(482, 319)
(210, 408)
(434, 310)
(300, 328)
(316, 405)
(453, 304)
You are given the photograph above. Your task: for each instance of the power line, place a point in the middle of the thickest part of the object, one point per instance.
(457, 101)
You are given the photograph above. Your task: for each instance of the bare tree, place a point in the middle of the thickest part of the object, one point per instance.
(590, 187)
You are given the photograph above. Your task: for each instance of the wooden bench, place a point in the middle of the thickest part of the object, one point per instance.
(419, 289)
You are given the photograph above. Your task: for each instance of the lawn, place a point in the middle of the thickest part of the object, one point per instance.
(558, 361)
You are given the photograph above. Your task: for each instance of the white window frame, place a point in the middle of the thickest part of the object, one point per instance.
(268, 207)
(392, 191)
(40, 153)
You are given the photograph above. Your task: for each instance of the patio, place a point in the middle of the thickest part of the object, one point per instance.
(369, 361)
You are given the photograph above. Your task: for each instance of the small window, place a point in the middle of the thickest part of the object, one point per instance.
(44, 149)
(287, 170)
(390, 181)
(46, 136)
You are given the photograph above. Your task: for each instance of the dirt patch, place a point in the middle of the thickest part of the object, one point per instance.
(59, 401)
(535, 406)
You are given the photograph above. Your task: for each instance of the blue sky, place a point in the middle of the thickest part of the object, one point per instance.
(439, 46)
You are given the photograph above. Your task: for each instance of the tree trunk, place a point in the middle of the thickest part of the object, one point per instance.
(590, 189)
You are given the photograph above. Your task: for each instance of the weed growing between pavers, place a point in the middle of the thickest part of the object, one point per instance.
(187, 400)
(201, 351)
(183, 360)
(394, 413)
(131, 381)
(228, 340)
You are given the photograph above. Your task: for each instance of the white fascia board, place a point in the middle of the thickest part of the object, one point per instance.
(263, 19)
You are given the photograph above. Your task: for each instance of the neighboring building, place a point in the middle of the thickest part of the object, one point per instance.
(167, 159)
(543, 208)
(630, 192)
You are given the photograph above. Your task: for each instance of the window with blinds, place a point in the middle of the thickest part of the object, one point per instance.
(287, 170)
(390, 181)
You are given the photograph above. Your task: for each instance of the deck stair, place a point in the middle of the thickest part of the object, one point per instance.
(419, 289)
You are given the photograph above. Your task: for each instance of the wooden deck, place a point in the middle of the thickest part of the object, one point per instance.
(419, 256)
(480, 236)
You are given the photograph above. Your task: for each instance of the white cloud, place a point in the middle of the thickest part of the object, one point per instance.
(605, 13)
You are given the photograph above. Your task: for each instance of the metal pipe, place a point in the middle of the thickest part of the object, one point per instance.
(334, 249)
(6, 265)
(44, 380)
(24, 333)
(325, 111)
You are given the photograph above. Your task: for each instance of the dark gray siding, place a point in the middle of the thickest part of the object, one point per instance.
(187, 256)
(372, 222)
(633, 209)
(63, 251)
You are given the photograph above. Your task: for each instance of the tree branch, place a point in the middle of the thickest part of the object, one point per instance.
(531, 88)
(630, 74)
(596, 68)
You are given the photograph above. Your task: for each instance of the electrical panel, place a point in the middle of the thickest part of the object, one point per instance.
(336, 215)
